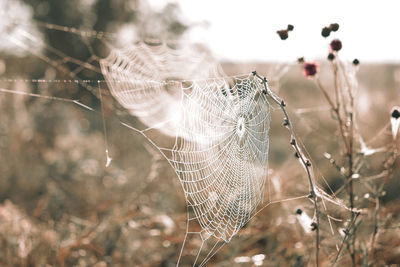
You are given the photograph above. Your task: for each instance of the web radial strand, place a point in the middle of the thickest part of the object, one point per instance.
(222, 159)
(145, 80)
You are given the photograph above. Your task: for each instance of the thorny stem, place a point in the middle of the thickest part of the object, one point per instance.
(305, 162)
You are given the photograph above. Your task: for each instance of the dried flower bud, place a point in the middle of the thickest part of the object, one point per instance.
(283, 34)
(290, 27)
(325, 32)
(299, 211)
(310, 69)
(314, 226)
(395, 121)
(356, 62)
(336, 45)
(395, 113)
(331, 56)
(300, 60)
(334, 27)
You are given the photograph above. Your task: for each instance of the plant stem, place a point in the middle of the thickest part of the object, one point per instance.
(304, 161)
(347, 233)
(389, 165)
(346, 131)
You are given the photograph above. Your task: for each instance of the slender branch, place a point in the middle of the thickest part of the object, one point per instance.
(337, 113)
(347, 136)
(347, 234)
(304, 161)
(389, 165)
(335, 80)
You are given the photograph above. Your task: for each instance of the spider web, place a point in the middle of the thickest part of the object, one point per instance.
(135, 76)
(220, 152)
(221, 131)
(219, 127)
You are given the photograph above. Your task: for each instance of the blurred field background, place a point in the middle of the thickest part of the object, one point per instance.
(60, 206)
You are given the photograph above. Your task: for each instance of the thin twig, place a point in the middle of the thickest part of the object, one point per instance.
(335, 110)
(347, 234)
(389, 165)
(304, 161)
(346, 132)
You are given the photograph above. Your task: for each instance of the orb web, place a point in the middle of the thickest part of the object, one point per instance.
(222, 159)
(142, 78)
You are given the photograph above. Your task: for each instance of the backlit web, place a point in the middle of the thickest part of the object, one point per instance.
(143, 80)
(217, 129)
(221, 148)
(220, 126)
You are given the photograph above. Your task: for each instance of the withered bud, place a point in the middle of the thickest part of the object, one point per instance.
(314, 226)
(334, 27)
(396, 113)
(325, 32)
(336, 45)
(283, 34)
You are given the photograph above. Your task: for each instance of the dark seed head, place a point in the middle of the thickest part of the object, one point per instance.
(290, 27)
(325, 32)
(331, 56)
(334, 27)
(283, 34)
(356, 62)
(299, 211)
(396, 114)
(300, 60)
(310, 69)
(314, 226)
(336, 45)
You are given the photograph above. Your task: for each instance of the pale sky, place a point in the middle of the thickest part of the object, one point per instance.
(246, 30)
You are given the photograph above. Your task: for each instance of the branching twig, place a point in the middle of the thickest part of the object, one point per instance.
(304, 161)
(346, 131)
